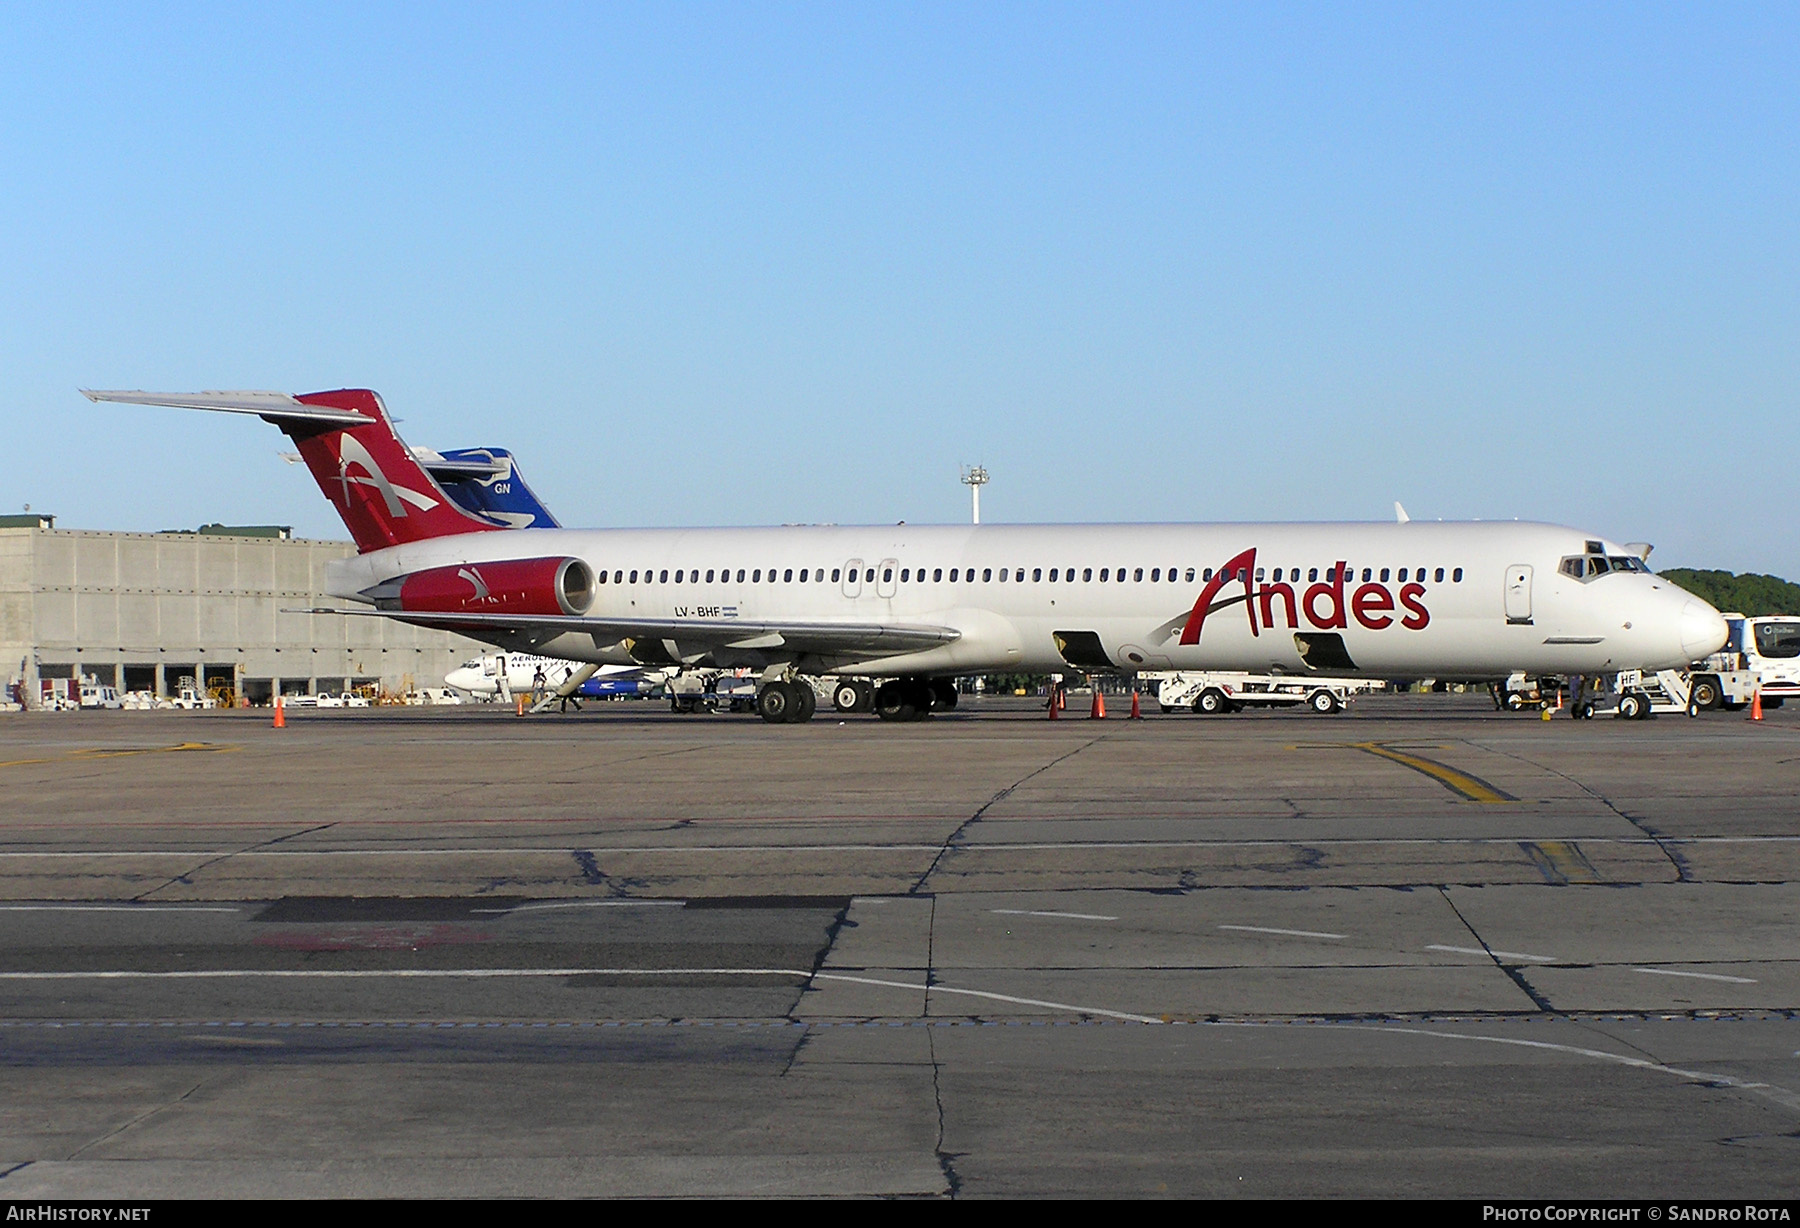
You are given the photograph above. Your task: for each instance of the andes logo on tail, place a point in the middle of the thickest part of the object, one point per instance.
(1325, 605)
(351, 452)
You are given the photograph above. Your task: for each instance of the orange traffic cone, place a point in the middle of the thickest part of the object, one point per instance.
(519, 705)
(280, 721)
(1055, 701)
(1756, 704)
(1137, 713)
(1098, 711)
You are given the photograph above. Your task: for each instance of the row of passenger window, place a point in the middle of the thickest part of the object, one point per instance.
(966, 575)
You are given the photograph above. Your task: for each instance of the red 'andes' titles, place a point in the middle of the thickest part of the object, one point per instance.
(1324, 606)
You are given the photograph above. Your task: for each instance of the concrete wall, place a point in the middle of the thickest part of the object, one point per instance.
(102, 603)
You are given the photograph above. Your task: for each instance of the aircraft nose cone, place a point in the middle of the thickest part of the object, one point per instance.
(1703, 630)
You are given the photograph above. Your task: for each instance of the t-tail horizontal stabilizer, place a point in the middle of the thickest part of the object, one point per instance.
(383, 493)
(487, 482)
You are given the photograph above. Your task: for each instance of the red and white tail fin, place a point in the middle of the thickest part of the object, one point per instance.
(345, 437)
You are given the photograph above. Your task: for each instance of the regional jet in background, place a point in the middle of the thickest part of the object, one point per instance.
(501, 675)
(916, 605)
(487, 482)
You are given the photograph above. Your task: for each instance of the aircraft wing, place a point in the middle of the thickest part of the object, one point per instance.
(700, 632)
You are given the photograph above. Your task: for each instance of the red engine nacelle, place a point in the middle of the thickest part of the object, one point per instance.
(513, 586)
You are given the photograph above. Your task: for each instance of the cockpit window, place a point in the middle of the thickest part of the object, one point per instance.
(1778, 639)
(1586, 567)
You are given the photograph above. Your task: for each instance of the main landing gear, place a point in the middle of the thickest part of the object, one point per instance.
(786, 703)
(914, 699)
(853, 695)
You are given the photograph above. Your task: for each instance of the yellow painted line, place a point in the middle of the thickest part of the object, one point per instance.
(100, 752)
(1561, 861)
(1473, 788)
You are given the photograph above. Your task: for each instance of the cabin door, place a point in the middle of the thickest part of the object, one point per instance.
(1518, 593)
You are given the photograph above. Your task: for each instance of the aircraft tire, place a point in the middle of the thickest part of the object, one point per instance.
(777, 703)
(894, 702)
(847, 697)
(943, 694)
(806, 702)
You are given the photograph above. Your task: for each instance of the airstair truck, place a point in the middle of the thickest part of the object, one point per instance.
(1761, 653)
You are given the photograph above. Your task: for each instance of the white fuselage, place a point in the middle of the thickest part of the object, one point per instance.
(1417, 599)
(499, 673)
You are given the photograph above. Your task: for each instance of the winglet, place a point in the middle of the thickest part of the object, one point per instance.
(1400, 516)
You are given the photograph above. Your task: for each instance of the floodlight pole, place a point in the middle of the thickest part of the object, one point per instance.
(975, 477)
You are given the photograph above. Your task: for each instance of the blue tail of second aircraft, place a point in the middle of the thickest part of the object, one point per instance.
(487, 482)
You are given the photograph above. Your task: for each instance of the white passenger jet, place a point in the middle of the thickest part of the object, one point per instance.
(916, 605)
(501, 675)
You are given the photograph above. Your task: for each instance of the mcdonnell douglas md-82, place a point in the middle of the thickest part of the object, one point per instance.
(917, 605)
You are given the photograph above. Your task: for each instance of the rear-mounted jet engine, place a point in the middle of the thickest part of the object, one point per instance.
(514, 586)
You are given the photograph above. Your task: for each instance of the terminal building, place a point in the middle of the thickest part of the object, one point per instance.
(141, 611)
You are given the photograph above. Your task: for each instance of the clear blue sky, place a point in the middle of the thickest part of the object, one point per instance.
(766, 263)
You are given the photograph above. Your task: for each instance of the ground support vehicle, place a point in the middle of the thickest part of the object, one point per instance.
(99, 695)
(712, 691)
(58, 695)
(1520, 691)
(1213, 693)
(189, 699)
(1637, 694)
(348, 699)
(1767, 645)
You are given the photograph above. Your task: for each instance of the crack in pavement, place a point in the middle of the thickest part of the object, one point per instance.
(946, 1160)
(1682, 872)
(1594, 1026)
(144, 1116)
(832, 931)
(918, 888)
(1511, 971)
(186, 875)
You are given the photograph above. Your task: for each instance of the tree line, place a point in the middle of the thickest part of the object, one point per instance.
(1749, 593)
